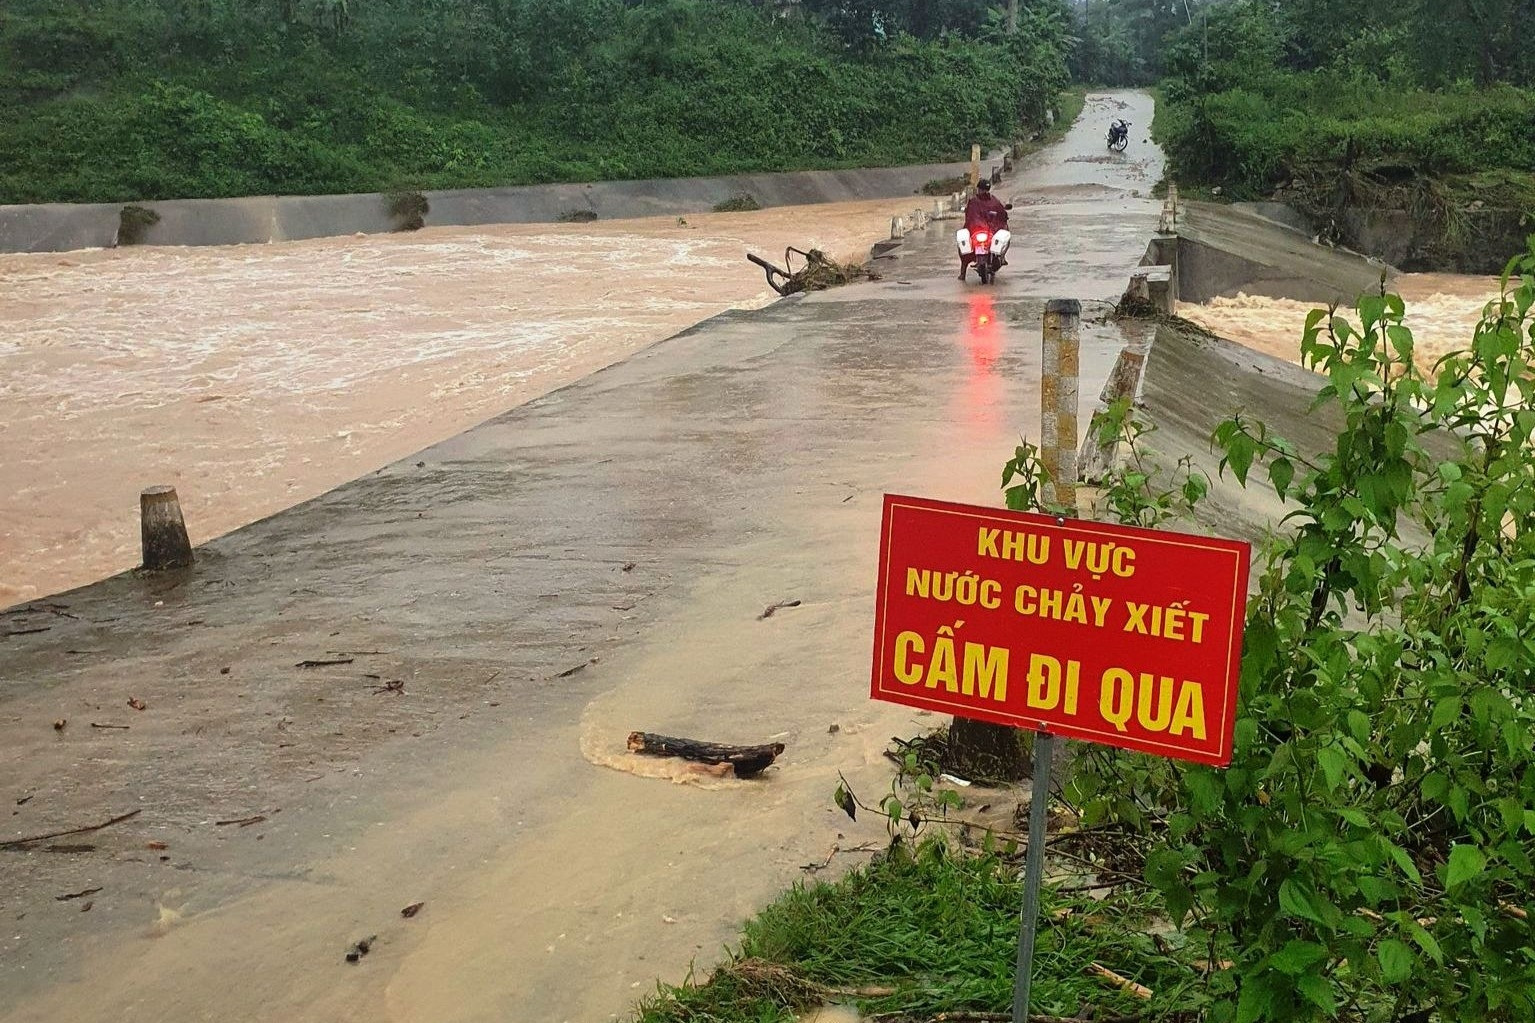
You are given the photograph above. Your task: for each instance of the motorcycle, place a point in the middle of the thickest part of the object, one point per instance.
(1119, 135)
(983, 242)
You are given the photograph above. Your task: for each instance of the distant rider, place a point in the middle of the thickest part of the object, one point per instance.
(984, 211)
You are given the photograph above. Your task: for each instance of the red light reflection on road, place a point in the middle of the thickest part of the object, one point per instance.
(983, 340)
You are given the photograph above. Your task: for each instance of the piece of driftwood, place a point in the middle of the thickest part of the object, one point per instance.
(18, 842)
(748, 761)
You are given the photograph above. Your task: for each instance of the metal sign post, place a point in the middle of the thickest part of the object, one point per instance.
(1058, 413)
(1033, 869)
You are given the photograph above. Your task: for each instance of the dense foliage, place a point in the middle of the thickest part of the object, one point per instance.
(1120, 42)
(120, 100)
(1370, 853)
(1260, 93)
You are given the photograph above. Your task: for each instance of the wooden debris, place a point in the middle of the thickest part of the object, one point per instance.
(76, 895)
(396, 687)
(95, 725)
(768, 611)
(998, 1017)
(571, 671)
(1121, 982)
(17, 842)
(811, 868)
(360, 949)
(324, 662)
(747, 761)
(137, 704)
(411, 910)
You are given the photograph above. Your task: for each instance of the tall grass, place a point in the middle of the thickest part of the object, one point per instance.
(938, 931)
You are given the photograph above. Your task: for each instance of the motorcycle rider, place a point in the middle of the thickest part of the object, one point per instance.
(984, 211)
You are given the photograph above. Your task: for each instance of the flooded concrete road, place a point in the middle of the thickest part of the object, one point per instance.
(504, 607)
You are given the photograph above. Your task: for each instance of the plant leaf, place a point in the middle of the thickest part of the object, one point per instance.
(1466, 862)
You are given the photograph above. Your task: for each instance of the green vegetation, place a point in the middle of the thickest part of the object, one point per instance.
(122, 100)
(743, 203)
(928, 929)
(1368, 854)
(408, 210)
(1346, 108)
(133, 223)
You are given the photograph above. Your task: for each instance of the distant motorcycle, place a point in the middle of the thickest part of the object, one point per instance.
(1119, 135)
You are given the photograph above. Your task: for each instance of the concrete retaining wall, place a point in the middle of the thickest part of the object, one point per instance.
(1224, 250)
(57, 227)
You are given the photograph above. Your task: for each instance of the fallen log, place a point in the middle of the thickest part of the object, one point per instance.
(748, 761)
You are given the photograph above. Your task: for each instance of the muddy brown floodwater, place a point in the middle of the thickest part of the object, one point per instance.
(256, 377)
(1442, 312)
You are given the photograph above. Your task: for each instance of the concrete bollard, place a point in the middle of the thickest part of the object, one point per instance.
(162, 529)
(1007, 163)
(1058, 398)
(1124, 382)
(975, 165)
(937, 208)
(897, 228)
(1169, 222)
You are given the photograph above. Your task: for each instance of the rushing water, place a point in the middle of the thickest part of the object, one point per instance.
(256, 377)
(1442, 312)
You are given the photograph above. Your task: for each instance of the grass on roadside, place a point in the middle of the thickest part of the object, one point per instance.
(934, 930)
(1071, 105)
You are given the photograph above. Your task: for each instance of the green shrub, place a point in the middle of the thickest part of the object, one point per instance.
(408, 210)
(741, 203)
(133, 222)
(1368, 853)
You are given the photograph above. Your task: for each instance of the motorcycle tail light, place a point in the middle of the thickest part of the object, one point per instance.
(982, 236)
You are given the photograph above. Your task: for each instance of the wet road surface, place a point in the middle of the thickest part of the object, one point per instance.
(593, 562)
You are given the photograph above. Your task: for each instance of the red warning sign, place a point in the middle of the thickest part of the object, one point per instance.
(1111, 634)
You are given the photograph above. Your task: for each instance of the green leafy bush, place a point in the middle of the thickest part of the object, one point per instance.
(1368, 855)
(243, 99)
(745, 202)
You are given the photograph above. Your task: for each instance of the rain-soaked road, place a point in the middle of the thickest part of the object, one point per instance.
(593, 562)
